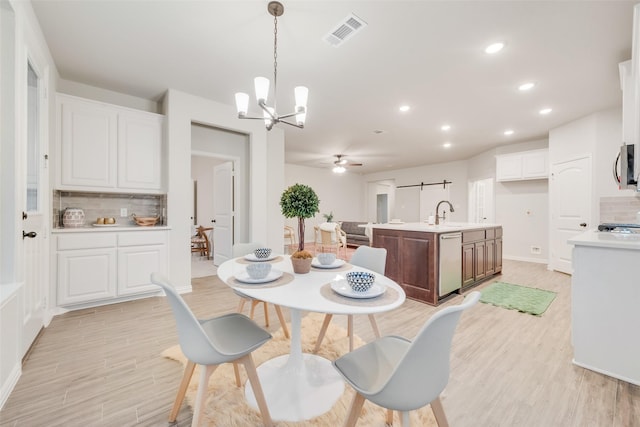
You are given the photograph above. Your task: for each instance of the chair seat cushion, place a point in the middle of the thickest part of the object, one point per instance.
(368, 368)
(234, 335)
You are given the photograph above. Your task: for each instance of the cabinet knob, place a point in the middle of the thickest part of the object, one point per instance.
(583, 224)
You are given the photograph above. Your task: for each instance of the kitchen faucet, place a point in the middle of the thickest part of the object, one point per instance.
(444, 214)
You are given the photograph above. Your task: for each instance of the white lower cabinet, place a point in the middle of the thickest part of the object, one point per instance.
(98, 267)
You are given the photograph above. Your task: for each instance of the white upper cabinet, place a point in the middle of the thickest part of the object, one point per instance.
(522, 166)
(104, 147)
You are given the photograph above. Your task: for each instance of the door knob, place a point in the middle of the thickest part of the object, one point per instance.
(583, 224)
(30, 234)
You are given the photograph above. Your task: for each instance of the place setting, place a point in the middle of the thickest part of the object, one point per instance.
(358, 288)
(329, 261)
(260, 255)
(261, 273)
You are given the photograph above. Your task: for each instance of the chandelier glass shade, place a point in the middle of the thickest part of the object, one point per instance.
(262, 84)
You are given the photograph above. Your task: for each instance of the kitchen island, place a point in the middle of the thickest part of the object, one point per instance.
(414, 256)
(605, 296)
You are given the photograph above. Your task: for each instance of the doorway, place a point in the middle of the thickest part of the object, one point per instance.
(481, 201)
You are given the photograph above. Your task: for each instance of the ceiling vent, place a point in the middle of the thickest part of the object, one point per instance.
(345, 30)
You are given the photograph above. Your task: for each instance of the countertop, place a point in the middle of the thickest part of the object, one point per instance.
(102, 229)
(447, 227)
(606, 239)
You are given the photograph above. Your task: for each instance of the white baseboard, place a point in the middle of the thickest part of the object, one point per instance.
(10, 383)
(525, 259)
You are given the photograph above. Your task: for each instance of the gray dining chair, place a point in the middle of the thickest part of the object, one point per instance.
(374, 259)
(242, 249)
(210, 342)
(402, 375)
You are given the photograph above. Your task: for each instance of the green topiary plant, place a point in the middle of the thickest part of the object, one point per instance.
(299, 201)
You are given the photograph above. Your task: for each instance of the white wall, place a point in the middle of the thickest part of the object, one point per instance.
(266, 153)
(91, 92)
(342, 194)
(521, 207)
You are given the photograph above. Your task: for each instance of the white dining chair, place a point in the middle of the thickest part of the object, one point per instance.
(403, 375)
(374, 259)
(211, 342)
(241, 249)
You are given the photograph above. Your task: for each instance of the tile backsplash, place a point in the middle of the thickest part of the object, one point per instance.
(97, 205)
(619, 209)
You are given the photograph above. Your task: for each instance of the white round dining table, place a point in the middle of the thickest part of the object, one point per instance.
(299, 386)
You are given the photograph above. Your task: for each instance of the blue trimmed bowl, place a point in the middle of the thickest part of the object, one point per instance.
(360, 281)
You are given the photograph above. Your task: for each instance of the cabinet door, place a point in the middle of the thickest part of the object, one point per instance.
(509, 167)
(490, 253)
(135, 265)
(86, 275)
(481, 261)
(88, 144)
(535, 165)
(468, 274)
(498, 262)
(139, 151)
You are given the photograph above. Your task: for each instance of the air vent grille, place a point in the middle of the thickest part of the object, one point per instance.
(345, 30)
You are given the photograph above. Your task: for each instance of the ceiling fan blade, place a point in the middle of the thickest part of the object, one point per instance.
(354, 164)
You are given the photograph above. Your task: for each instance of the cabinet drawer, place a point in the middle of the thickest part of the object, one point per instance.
(491, 233)
(473, 236)
(86, 241)
(137, 238)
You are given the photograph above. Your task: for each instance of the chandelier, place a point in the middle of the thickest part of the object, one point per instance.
(269, 114)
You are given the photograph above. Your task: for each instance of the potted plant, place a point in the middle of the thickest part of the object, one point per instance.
(328, 217)
(300, 201)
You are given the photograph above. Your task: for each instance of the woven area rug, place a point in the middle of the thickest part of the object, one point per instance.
(515, 297)
(226, 405)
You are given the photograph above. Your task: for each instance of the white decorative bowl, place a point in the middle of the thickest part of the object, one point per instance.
(326, 258)
(73, 218)
(360, 281)
(259, 270)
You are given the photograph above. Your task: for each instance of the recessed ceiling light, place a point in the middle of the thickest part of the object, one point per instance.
(445, 127)
(526, 86)
(446, 145)
(494, 48)
(545, 111)
(404, 108)
(508, 132)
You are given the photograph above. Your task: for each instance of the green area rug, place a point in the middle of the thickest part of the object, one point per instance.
(515, 297)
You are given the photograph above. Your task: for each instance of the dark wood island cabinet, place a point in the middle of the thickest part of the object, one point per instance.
(412, 256)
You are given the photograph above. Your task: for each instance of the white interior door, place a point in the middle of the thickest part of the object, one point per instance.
(34, 246)
(223, 212)
(570, 189)
(481, 201)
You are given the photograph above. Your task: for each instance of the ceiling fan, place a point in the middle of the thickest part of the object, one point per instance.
(341, 164)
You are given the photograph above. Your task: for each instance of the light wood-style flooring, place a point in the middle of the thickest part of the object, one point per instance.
(102, 366)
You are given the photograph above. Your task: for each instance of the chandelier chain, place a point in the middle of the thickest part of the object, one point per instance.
(275, 59)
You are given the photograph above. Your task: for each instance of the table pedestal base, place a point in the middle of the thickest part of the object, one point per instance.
(297, 391)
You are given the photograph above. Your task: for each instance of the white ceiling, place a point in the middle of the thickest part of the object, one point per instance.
(427, 54)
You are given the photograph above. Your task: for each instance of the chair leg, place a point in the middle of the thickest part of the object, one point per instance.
(354, 412)
(350, 330)
(253, 308)
(438, 412)
(182, 390)
(282, 322)
(390, 417)
(241, 305)
(250, 367)
(374, 326)
(205, 374)
(236, 373)
(266, 313)
(323, 331)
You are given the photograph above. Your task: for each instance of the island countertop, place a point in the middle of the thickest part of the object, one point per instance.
(447, 227)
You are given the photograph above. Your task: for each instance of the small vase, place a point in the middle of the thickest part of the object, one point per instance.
(301, 265)
(73, 218)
